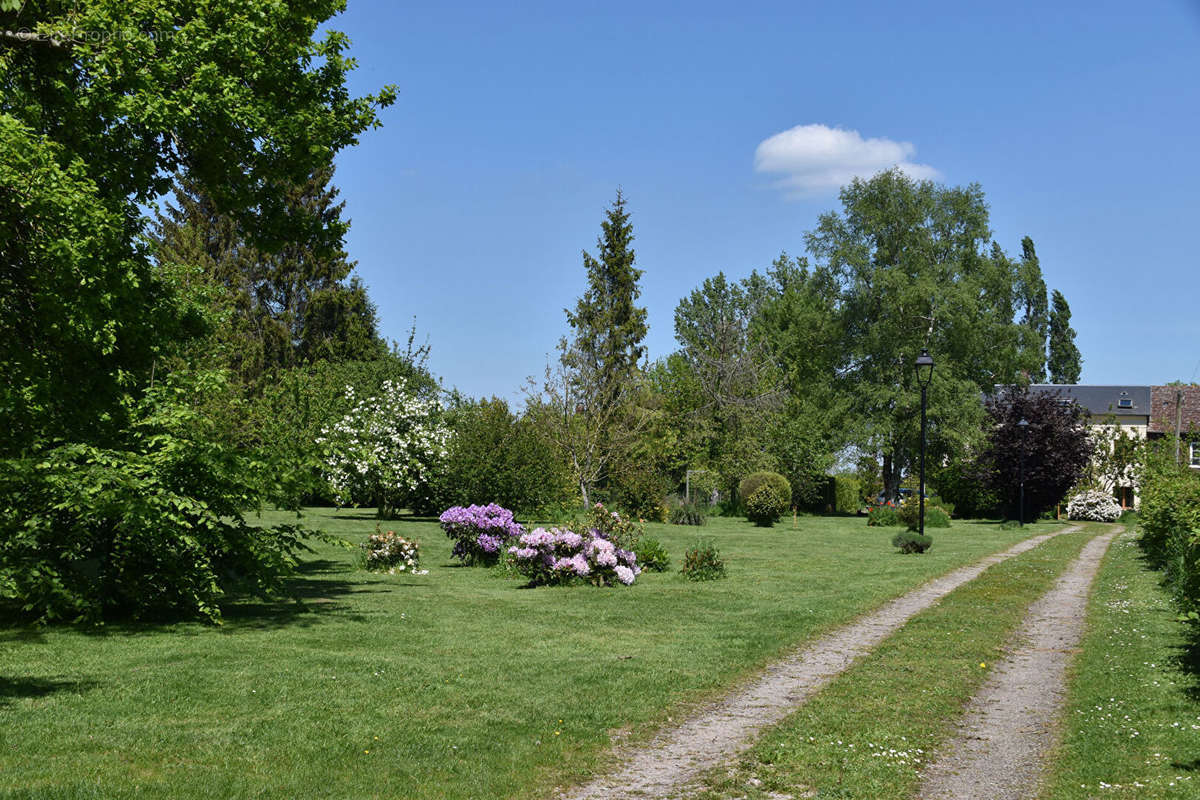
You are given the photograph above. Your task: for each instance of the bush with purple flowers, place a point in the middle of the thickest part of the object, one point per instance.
(480, 533)
(560, 555)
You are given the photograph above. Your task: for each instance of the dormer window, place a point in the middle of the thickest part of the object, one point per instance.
(1125, 402)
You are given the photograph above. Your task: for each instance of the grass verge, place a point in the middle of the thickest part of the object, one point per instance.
(457, 684)
(1132, 728)
(868, 733)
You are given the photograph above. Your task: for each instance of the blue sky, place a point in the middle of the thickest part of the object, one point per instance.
(516, 123)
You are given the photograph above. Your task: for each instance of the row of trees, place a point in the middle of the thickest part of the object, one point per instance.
(795, 367)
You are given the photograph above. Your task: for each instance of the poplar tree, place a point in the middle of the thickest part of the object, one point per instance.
(1035, 322)
(1066, 363)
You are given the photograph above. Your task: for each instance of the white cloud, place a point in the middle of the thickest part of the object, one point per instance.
(817, 159)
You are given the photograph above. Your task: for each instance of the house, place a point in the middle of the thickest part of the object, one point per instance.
(1176, 410)
(1115, 411)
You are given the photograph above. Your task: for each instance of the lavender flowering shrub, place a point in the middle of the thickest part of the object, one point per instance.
(560, 555)
(480, 533)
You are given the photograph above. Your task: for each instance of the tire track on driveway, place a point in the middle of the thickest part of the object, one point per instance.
(677, 757)
(1000, 747)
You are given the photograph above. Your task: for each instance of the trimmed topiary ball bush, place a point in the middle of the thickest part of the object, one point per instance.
(911, 542)
(766, 506)
(755, 480)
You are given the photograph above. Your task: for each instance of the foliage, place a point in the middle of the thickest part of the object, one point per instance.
(559, 556)
(1052, 454)
(964, 491)
(640, 490)
(911, 542)
(1034, 313)
(652, 555)
(752, 482)
(497, 456)
(688, 514)
(240, 98)
(625, 532)
(703, 562)
(905, 265)
(909, 513)
(275, 309)
(1065, 362)
(766, 505)
(153, 530)
(591, 396)
(882, 517)
(1170, 521)
(846, 494)
(480, 533)
(392, 553)
(1095, 505)
(386, 449)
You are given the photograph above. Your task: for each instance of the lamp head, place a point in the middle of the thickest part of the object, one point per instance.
(924, 368)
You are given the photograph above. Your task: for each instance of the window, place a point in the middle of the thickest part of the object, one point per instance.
(1124, 402)
(1196, 454)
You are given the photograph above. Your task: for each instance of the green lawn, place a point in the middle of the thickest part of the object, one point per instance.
(1133, 718)
(457, 684)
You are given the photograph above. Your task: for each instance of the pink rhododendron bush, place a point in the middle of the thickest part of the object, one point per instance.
(559, 555)
(1093, 505)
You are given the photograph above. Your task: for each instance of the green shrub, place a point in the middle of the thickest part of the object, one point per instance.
(961, 491)
(155, 529)
(752, 482)
(766, 506)
(688, 514)
(1170, 522)
(1010, 524)
(497, 456)
(1129, 518)
(703, 562)
(909, 513)
(911, 542)
(882, 517)
(640, 490)
(652, 555)
(845, 494)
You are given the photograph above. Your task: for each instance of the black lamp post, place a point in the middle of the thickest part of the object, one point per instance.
(924, 376)
(1024, 426)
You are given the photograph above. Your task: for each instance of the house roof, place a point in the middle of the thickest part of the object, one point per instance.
(1162, 418)
(1103, 400)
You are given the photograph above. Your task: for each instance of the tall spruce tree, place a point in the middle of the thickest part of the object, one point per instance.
(1035, 321)
(1066, 363)
(609, 325)
(589, 400)
(278, 309)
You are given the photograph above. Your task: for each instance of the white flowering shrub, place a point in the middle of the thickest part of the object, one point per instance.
(1094, 505)
(388, 552)
(385, 449)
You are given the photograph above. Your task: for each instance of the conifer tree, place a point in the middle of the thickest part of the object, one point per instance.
(278, 309)
(1066, 363)
(609, 325)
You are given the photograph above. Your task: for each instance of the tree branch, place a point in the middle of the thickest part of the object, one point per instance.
(31, 37)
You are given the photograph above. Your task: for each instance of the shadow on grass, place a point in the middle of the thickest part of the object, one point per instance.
(13, 689)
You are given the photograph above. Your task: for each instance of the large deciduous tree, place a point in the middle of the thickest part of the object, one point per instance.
(101, 106)
(121, 495)
(907, 268)
(1035, 319)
